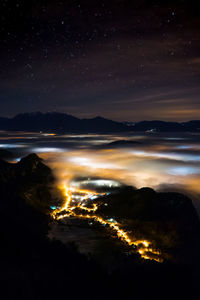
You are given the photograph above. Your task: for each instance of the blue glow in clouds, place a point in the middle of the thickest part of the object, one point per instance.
(183, 171)
(47, 150)
(53, 207)
(11, 146)
(184, 147)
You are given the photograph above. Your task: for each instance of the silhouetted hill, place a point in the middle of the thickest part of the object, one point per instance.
(5, 154)
(121, 144)
(59, 122)
(33, 267)
(29, 179)
(64, 123)
(168, 219)
(158, 126)
(162, 126)
(100, 124)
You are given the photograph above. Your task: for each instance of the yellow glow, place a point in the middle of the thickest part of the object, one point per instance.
(93, 209)
(141, 246)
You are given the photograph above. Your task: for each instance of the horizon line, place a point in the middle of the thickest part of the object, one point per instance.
(97, 116)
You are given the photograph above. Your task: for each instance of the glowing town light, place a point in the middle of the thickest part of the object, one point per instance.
(53, 207)
(48, 134)
(142, 246)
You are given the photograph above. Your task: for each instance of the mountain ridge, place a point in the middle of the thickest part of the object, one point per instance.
(66, 123)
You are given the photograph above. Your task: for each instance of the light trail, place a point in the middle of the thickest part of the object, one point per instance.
(143, 247)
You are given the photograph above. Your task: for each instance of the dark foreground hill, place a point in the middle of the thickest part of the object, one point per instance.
(168, 220)
(33, 267)
(64, 123)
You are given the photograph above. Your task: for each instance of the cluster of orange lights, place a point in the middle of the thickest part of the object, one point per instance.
(143, 247)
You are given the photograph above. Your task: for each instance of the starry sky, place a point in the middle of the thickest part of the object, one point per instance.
(121, 59)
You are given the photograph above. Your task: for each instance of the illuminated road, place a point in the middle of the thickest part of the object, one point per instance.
(81, 210)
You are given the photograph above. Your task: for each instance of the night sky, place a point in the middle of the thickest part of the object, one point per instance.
(124, 60)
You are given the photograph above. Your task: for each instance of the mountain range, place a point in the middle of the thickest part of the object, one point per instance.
(64, 123)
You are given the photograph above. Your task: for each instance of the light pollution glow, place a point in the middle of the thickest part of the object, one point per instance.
(143, 247)
(156, 161)
(166, 159)
(131, 168)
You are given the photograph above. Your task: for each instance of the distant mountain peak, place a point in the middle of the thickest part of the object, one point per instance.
(39, 113)
(99, 118)
(65, 123)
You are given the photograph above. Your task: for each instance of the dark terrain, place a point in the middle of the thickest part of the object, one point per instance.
(64, 123)
(33, 267)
